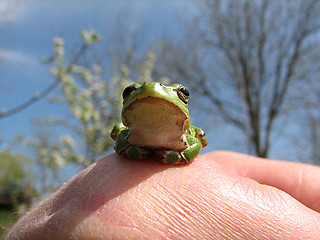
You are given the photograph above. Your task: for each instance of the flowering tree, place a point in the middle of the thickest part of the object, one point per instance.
(93, 100)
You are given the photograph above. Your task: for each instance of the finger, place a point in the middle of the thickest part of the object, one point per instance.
(118, 199)
(152, 200)
(301, 181)
(173, 201)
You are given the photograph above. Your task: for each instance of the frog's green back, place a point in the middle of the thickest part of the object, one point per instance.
(157, 90)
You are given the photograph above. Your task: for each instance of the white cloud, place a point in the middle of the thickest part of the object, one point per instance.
(12, 10)
(15, 57)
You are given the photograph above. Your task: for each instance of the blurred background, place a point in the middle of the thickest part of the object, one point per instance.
(252, 68)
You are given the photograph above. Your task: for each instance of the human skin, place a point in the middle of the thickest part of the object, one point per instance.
(220, 195)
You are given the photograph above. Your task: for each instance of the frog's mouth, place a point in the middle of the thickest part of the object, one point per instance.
(155, 123)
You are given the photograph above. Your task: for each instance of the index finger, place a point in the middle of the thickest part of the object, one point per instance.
(301, 181)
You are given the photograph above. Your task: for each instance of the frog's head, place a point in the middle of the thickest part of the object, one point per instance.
(176, 94)
(153, 108)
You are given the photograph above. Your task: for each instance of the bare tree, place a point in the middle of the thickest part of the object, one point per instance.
(310, 141)
(314, 134)
(246, 57)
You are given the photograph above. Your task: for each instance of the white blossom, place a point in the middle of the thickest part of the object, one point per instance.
(67, 140)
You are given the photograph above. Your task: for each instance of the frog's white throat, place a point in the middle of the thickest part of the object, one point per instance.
(156, 123)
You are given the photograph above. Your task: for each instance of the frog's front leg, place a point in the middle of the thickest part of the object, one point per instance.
(117, 129)
(199, 134)
(186, 156)
(193, 149)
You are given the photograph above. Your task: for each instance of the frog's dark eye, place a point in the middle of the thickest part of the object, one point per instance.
(183, 94)
(126, 92)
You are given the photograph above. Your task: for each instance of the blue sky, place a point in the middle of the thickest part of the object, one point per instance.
(27, 28)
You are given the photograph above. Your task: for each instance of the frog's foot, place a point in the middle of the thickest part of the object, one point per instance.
(125, 149)
(135, 152)
(185, 156)
(169, 157)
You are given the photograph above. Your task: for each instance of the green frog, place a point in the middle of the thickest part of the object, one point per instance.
(156, 124)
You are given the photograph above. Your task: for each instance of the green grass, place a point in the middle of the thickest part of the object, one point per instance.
(7, 219)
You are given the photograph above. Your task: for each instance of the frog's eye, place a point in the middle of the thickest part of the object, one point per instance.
(183, 94)
(126, 92)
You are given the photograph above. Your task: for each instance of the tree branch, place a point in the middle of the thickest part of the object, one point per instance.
(45, 92)
(31, 101)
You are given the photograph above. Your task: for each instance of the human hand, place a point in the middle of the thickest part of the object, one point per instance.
(220, 195)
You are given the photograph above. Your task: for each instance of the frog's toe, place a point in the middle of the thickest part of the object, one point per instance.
(170, 157)
(135, 152)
